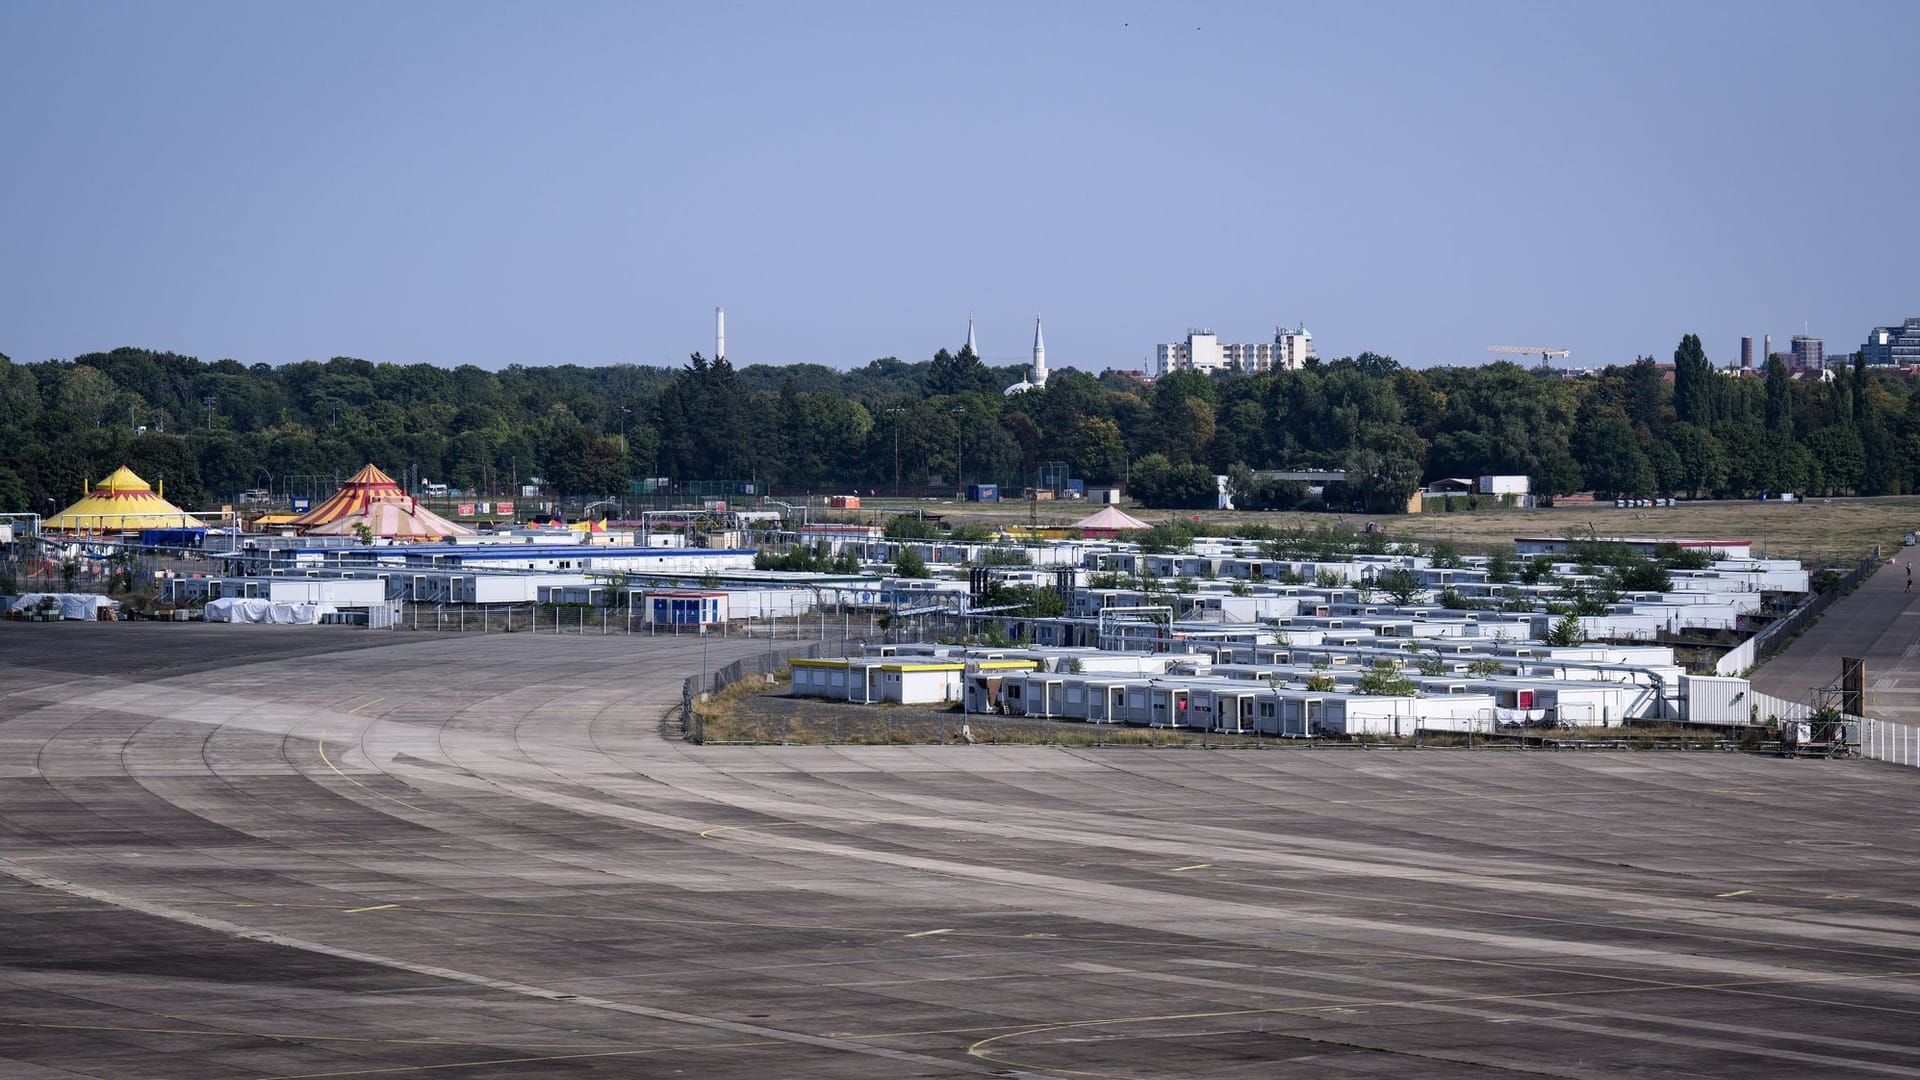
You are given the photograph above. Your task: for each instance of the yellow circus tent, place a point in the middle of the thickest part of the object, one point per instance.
(121, 503)
(373, 499)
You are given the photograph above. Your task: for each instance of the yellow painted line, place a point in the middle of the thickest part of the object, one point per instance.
(369, 704)
(1195, 866)
(321, 746)
(1736, 892)
(376, 907)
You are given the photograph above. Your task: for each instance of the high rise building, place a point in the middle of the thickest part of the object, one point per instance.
(1204, 351)
(1809, 353)
(1895, 345)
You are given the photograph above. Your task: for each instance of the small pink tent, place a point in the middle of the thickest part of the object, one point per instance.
(1110, 521)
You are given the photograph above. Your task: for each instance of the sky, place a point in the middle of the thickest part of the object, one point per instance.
(495, 183)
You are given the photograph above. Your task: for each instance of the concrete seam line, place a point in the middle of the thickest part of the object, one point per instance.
(222, 926)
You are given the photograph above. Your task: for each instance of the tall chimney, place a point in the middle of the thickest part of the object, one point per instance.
(719, 333)
(1746, 353)
(1768, 353)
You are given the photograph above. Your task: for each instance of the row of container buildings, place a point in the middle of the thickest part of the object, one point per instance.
(1289, 693)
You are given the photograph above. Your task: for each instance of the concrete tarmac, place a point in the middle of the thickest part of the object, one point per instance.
(1879, 621)
(304, 852)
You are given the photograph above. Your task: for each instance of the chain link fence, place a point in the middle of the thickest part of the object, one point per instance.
(759, 665)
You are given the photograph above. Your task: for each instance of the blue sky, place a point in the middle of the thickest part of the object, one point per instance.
(515, 183)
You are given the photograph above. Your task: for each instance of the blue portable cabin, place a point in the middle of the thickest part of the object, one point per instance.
(687, 608)
(173, 538)
(983, 493)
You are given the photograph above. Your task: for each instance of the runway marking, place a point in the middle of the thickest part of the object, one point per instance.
(930, 933)
(980, 1049)
(707, 834)
(393, 1070)
(356, 709)
(321, 746)
(375, 907)
(1195, 866)
(270, 1036)
(758, 1033)
(1736, 892)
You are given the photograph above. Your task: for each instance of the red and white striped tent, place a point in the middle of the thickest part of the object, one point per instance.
(373, 499)
(395, 519)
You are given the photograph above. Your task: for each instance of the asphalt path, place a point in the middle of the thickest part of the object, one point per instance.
(1880, 622)
(289, 851)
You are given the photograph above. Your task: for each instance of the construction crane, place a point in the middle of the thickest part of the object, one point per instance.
(1545, 354)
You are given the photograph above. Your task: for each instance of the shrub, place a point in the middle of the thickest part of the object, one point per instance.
(911, 527)
(1567, 631)
(1400, 585)
(1500, 568)
(1383, 678)
(911, 565)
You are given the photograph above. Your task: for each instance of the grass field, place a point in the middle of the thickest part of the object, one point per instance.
(1818, 532)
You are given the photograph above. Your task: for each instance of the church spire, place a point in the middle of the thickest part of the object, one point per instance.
(972, 346)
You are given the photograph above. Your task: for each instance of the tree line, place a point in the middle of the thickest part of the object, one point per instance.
(212, 430)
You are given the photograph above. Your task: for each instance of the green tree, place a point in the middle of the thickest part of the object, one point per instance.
(13, 492)
(1500, 567)
(1383, 679)
(1612, 458)
(1158, 482)
(911, 565)
(1779, 398)
(1384, 466)
(1566, 631)
(1692, 383)
(1399, 584)
(1702, 461)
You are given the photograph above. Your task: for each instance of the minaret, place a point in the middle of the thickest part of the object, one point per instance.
(1039, 354)
(719, 333)
(972, 346)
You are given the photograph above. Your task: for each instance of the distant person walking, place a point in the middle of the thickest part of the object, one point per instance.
(1909, 577)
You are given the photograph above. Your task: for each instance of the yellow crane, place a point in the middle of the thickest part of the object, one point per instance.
(1545, 354)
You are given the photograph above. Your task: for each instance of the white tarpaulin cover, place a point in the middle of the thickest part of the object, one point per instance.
(236, 610)
(71, 605)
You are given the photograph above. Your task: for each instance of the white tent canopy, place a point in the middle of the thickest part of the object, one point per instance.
(70, 605)
(1111, 518)
(233, 609)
